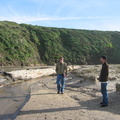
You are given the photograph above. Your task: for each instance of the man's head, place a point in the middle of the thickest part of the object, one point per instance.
(61, 59)
(103, 59)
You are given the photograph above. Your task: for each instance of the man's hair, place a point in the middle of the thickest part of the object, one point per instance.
(104, 57)
(61, 58)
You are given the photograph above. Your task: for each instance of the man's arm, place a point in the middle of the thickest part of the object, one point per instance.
(106, 71)
(56, 68)
(66, 69)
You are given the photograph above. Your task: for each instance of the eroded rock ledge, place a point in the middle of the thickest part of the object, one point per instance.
(27, 74)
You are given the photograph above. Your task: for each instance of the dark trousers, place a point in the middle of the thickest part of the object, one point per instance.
(104, 93)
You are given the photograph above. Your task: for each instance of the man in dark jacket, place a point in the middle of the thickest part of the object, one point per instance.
(104, 80)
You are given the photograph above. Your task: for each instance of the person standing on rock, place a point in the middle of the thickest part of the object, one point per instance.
(104, 80)
(61, 70)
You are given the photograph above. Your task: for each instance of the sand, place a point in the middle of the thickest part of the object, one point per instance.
(80, 101)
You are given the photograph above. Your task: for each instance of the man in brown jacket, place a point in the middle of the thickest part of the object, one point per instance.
(104, 80)
(61, 70)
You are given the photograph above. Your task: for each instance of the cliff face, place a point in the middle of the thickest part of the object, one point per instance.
(22, 44)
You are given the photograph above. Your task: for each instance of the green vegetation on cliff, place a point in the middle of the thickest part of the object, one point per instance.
(22, 44)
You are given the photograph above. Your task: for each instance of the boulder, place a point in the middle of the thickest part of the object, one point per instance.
(30, 73)
(70, 68)
(2, 80)
(117, 86)
(90, 78)
(112, 78)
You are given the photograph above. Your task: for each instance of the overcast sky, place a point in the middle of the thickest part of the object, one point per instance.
(78, 14)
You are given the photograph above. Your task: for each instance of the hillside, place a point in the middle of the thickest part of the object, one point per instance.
(22, 44)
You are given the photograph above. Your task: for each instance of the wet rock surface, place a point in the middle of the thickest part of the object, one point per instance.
(118, 87)
(28, 73)
(91, 72)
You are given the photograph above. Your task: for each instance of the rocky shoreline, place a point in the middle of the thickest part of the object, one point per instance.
(91, 73)
(85, 72)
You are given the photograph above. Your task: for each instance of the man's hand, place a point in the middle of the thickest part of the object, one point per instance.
(65, 75)
(98, 78)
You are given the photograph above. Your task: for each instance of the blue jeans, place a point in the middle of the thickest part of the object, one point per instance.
(104, 93)
(60, 83)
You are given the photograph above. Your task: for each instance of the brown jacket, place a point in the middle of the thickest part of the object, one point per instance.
(104, 73)
(61, 68)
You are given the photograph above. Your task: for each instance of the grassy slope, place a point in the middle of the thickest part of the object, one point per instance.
(22, 44)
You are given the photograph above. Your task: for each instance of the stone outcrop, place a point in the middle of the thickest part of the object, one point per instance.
(28, 74)
(118, 87)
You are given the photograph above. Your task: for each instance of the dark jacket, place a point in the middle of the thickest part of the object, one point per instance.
(104, 73)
